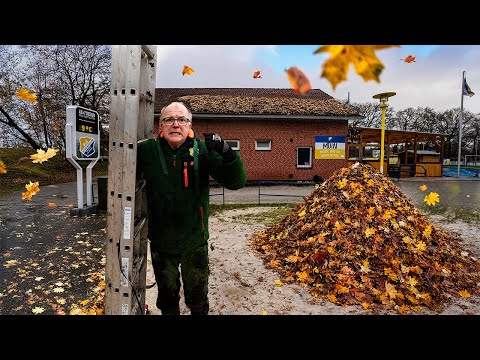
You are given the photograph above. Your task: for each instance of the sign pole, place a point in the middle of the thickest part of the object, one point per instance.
(83, 143)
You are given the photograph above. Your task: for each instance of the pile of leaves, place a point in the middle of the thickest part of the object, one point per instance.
(357, 239)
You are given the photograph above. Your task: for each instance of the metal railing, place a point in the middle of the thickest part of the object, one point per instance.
(275, 182)
(214, 183)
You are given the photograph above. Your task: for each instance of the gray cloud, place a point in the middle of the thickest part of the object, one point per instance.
(432, 81)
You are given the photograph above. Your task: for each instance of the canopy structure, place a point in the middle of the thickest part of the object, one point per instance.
(364, 146)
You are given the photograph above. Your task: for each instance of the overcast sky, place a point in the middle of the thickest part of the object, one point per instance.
(434, 80)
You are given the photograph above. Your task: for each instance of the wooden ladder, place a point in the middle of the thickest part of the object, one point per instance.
(131, 121)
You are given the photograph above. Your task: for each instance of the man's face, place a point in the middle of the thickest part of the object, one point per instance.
(175, 133)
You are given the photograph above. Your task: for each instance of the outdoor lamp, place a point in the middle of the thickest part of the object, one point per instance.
(383, 105)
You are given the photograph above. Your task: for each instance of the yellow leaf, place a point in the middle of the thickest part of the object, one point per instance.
(3, 168)
(32, 187)
(302, 213)
(432, 198)
(363, 58)
(25, 94)
(298, 80)
(187, 70)
(390, 290)
(42, 156)
(464, 293)
(278, 283)
(58, 290)
(369, 231)
(342, 183)
(263, 313)
(421, 246)
(302, 276)
(38, 310)
(428, 231)
(423, 187)
(84, 302)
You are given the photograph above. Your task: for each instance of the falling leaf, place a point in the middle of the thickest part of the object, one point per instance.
(423, 187)
(25, 94)
(432, 198)
(3, 168)
(256, 74)
(409, 59)
(32, 189)
(38, 310)
(187, 70)
(42, 156)
(363, 57)
(298, 80)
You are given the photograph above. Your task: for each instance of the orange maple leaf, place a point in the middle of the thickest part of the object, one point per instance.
(25, 94)
(299, 81)
(256, 74)
(409, 59)
(187, 70)
(3, 168)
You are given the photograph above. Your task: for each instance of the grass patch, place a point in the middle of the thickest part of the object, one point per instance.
(21, 170)
(452, 214)
(265, 217)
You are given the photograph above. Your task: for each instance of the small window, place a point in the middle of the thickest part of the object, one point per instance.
(263, 145)
(304, 157)
(234, 144)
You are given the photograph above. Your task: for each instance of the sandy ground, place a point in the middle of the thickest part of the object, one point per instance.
(240, 284)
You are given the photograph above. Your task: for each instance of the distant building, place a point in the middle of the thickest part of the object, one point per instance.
(281, 135)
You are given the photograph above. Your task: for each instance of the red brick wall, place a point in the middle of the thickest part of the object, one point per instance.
(286, 135)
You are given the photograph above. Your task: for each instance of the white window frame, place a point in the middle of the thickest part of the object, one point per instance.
(236, 147)
(309, 166)
(263, 148)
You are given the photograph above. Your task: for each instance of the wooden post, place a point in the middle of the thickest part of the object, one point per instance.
(131, 120)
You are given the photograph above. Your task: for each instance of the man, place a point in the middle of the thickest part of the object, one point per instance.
(176, 167)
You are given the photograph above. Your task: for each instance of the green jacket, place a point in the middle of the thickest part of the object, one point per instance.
(178, 191)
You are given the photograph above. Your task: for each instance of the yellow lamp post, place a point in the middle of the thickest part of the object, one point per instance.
(383, 105)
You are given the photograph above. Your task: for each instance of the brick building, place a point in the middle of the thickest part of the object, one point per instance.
(280, 134)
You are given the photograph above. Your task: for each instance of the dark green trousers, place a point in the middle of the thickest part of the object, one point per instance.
(192, 266)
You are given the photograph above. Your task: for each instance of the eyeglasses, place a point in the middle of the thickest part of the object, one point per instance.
(180, 121)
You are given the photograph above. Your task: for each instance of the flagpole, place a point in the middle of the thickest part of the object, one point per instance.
(460, 127)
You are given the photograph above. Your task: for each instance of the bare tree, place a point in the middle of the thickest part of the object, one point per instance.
(60, 75)
(372, 115)
(404, 119)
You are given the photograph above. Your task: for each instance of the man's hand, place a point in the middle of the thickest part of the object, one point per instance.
(215, 142)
